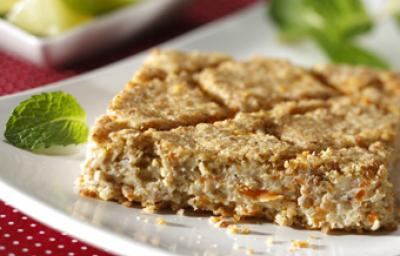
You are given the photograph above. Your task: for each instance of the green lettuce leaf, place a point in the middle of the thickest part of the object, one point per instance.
(46, 120)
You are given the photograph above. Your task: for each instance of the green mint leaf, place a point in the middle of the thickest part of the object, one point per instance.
(45, 120)
(293, 18)
(397, 16)
(333, 25)
(342, 19)
(346, 52)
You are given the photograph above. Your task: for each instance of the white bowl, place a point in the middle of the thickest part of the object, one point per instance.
(85, 40)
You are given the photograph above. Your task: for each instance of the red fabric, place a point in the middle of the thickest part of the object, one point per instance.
(21, 235)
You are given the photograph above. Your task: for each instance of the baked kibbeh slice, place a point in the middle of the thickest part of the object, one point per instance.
(183, 134)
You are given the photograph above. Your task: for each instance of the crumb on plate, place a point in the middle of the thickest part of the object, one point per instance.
(161, 221)
(234, 229)
(270, 241)
(299, 244)
(250, 251)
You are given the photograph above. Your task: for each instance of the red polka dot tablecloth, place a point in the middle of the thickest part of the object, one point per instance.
(22, 235)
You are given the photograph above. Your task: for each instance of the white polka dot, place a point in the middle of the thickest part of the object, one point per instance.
(15, 210)
(71, 254)
(6, 235)
(20, 230)
(48, 252)
(60, 246)
(33, 225)
(25, 250)
(74, 240)
(1, 228)
(15, 242)
(52, 239)
(24, 217)
(2, 216)
(63, 233)
(83, 248)
(11, 254)
(95, 255)
(11, 223)
(41, 232)
(2, 247)
(29, 237)
(38, 244)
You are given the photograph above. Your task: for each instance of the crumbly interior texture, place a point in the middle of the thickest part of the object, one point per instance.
(310, 148)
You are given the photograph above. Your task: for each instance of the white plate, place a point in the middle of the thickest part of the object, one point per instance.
(42, 186)
(85, 40)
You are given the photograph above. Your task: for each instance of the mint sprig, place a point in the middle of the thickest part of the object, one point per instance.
(45, 120)
(397, 17)
(349, 53)
(332, 25)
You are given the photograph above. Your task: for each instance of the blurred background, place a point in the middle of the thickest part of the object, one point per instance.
(20, 73)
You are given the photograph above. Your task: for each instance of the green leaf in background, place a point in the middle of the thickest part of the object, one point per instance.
(348, 52)
(293, 18)
(328, 23)
(97, 7)
(45, 120)
(343, 19)
(397, 16)
(339, 18)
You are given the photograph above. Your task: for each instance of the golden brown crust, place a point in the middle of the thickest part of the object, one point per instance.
(164, 104)
(175, 62)
(260, 83)
(381, 88)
